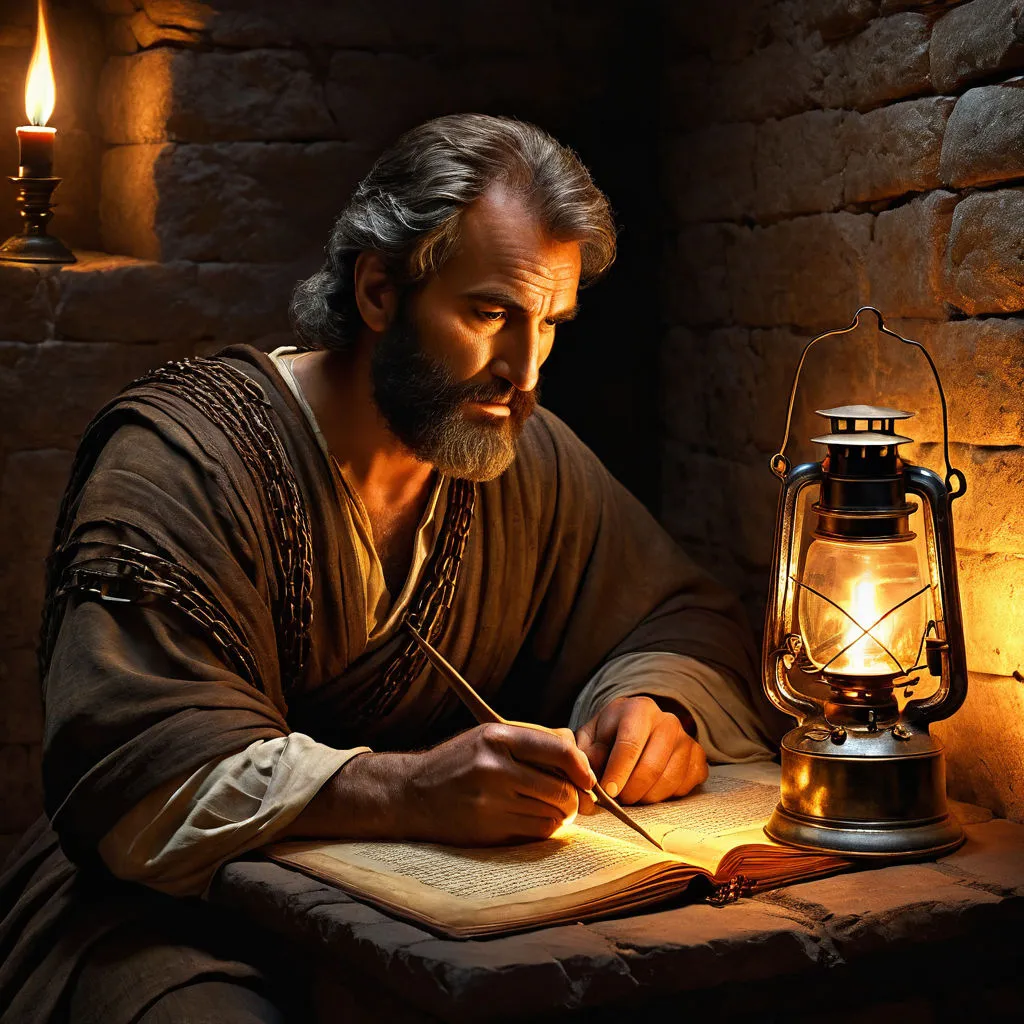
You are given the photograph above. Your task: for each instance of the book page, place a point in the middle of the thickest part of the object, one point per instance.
(729, 808)
(461, 887)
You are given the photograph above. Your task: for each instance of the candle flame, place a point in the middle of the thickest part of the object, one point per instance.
(40, 88)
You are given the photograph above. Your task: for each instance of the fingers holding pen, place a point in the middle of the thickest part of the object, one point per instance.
(551, 750)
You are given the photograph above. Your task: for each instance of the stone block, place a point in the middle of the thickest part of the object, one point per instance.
(710, 174)
(76, 41)
(21, 795)
(360, 25)
(885, 62)
(26, 302)
(894, 150)
(255, 94)
(799, 165)
(148, 33)
(191, 96)
(22, 586)
(77, 160)
(246, 302)
(984, 273)
(984, 758)
(992, 854)
(834, 19)
(726, 390)
(185, 14)
(116, 298)
(31, 487)
(135, 98)
(721, 502)
(51, 390)
(700, 400)
(983, 139)
(992, 597)
(783, 78)
(370, 97)
(981, 365)
(233, 202)
(22, 720)
(128, 201)
(695, 286)
(727, 945)
(976, 40)
(837, 371)
(987, 518)
(809, 271)
(887, 909)
(905, 259)
(118, 37)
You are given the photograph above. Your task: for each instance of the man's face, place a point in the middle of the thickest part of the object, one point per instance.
(456, 375)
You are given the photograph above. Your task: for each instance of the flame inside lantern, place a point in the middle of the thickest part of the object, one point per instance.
(40, 88)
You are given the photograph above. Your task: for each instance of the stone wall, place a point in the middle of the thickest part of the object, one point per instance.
(219, 141)
(821, 155)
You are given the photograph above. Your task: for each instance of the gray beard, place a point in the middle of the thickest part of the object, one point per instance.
(424, 407)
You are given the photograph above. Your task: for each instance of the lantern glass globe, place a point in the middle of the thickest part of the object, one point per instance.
(848, 587)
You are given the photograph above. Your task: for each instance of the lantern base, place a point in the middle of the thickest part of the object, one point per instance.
(865, 840)
(867, 796)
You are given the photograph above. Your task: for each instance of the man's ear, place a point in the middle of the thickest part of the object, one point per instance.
(376, 295)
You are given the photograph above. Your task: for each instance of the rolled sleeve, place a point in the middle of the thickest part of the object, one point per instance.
(175, 839)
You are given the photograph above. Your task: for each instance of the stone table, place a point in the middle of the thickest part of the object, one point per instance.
(916, 943)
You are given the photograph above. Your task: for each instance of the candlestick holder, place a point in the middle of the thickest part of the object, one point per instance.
(34, 245)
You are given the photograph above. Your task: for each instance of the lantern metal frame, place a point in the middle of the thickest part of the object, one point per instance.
(860, 778)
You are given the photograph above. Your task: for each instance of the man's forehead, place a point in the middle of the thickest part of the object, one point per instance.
(500, 237)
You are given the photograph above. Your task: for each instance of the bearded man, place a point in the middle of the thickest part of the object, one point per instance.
(243, 538)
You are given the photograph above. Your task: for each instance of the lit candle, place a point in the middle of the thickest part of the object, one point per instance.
(35, 140)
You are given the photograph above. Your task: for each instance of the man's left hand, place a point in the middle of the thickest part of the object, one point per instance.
(640, 753)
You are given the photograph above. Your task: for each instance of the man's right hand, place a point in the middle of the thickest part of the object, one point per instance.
(490, 785)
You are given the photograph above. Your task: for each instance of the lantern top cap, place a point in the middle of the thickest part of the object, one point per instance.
(864, 412)
(864, 439)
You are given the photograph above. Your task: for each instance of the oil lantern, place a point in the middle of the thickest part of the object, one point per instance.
(863, 635)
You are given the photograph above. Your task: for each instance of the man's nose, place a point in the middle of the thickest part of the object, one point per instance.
(520, 357)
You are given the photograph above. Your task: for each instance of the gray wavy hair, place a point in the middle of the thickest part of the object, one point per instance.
(408, 209)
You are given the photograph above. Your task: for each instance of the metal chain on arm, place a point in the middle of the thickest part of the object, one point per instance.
(124, 574)
(238, 406)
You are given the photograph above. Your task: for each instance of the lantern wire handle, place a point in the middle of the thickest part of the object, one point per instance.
(780, 463)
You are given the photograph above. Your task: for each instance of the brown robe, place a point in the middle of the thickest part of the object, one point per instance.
(563, 570)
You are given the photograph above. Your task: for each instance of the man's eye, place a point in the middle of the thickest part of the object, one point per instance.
(491, 315)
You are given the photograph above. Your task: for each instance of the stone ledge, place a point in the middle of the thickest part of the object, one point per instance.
(801, 934)
(109, 298)
(226, 201)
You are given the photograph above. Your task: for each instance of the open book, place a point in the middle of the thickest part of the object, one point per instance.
(594, 867)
